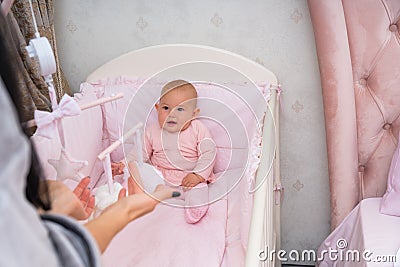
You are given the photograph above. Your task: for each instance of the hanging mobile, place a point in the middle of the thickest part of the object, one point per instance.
(40, 49)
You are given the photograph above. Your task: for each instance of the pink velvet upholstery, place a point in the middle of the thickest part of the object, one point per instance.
(358, 46)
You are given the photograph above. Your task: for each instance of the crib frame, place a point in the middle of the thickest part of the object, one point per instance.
(265, 222)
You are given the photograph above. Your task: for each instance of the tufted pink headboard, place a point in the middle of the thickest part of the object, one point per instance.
(358, 47)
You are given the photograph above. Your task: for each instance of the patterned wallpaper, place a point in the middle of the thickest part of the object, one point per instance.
(276, 34)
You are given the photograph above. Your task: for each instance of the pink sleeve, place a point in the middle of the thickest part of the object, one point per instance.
(206, 153)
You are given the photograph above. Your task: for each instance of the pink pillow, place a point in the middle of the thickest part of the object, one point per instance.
(228, 115)
(390, 203)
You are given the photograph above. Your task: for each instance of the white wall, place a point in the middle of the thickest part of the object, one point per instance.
(277, 34)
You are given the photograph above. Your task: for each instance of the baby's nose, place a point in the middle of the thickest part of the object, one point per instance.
(172, 113)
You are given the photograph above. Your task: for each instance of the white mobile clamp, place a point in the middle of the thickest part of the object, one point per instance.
(40, 49)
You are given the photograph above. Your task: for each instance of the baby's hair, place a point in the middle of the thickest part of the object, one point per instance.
(178, 84)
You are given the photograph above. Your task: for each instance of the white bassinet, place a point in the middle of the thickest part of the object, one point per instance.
(248, 222)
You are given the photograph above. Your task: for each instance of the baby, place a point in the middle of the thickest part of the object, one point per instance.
(181, 147)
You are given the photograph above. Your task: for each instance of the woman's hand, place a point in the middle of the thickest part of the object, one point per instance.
(78, 204)
(128, 208)
(138, 204)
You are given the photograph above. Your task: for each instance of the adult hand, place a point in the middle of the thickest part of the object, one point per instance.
(128, 208)
(135, 182)
(78, 203)
(138, 204)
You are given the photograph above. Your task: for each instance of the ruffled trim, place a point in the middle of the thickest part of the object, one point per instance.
(254, 158)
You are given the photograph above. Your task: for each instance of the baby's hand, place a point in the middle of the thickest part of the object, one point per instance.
(117, 168)
(191, 180)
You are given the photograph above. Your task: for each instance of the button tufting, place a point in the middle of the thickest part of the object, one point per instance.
(387, 126)
(393, 27)
(361, 168)
(363, 81)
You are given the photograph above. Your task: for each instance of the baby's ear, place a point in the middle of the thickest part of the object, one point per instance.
(157, 106)
(196, 112)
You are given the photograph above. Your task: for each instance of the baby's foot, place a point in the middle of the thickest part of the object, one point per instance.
(196, 203)
(194, 215)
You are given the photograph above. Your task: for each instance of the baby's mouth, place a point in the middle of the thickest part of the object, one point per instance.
(171, 123)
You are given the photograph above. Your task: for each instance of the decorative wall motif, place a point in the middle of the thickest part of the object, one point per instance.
(217, 20)
(298, 185)
(296, 16)
(141, 23)
(297, 106)
(71, 27)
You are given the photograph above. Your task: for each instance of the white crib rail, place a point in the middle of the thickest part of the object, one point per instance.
(265, 227)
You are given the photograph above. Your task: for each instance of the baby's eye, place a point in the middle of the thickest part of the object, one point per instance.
(180, 109)
(164, 107)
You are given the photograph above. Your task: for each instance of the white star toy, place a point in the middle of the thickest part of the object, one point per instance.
(66, 167)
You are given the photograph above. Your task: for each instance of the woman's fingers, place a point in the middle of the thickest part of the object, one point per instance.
(142, 203)
(85, 197)
(90, 206)
(165, 194)
(134, 170)
(131, 186)
(82, 185)
(83, 193)
(122, 193)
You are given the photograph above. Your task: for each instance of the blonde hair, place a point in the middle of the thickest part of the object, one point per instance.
(178, 84)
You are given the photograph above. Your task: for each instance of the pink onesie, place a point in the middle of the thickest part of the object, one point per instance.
(180, 153)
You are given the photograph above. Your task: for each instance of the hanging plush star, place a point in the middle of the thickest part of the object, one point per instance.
(66, 167)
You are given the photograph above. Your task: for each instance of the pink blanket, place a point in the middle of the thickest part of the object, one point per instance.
(163, 238)
(365, 238)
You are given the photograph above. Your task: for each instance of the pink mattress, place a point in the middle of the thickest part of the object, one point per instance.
(163, 238)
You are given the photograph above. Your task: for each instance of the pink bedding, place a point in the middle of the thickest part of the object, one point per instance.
(172, 241)
(361, 232)
(163, 238)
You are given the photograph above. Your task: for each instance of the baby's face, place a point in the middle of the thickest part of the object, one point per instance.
(176, 110)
